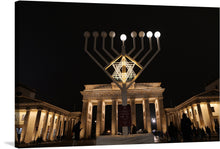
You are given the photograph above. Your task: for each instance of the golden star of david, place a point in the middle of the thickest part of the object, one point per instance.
(123, 66)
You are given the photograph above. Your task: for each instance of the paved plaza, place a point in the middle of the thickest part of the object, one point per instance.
(115, 140)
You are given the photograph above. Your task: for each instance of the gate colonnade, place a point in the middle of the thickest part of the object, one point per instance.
(202, 109)
(38, 119)
(101, 95)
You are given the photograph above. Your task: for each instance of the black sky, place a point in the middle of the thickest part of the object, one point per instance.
(50, 56)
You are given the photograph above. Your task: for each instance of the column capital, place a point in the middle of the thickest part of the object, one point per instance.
(44, 110)
(33, 109)
(52, 112)
(160, 97)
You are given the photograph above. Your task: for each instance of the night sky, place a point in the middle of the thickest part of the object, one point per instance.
(50, 53)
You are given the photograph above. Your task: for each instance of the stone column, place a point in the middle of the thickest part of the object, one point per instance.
(69, 133)
(89, 120)
(62, 125)
(74, 122)
(51, 126)
(194, 117)
(158, 118)
(133, 111)
(36, 127)
(146, 115)
(200, 116)
(179, 120)
(181, 114)
(175, 121)
(46, 120)
(63, 129)
(168, 119)
(24, 128)
(71, 127)
(86, 119)
(67, 126)
(58, 125)
(103, 118)
(188, 113)
(30, 126)
(212, 123)
(100, 118)
(114, 128)
(160, 115)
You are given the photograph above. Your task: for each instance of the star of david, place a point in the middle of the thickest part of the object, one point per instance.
(125, 69)
(129, 75)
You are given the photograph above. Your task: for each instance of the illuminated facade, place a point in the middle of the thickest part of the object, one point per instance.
(38, 119)
(202, 109)
(35, 118)
(101, 95)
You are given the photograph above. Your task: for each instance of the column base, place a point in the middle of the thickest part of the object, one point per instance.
(125, 130)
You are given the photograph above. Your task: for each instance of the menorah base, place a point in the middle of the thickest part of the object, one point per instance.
(125, 130)
(124, 95)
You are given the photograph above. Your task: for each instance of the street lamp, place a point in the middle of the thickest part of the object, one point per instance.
(126, 68)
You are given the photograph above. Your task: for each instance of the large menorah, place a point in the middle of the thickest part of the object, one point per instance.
(123, 69)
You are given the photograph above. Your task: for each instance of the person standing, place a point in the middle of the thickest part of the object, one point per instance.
(172, 132)
(77, 129)
(134, 129)
(186, 128)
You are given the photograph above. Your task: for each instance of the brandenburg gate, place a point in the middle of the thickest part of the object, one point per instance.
(101, 95)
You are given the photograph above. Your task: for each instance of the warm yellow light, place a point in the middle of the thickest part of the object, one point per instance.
(113, 62)
(124, 73)
(124, 77)
(131, 59)
(123, 61)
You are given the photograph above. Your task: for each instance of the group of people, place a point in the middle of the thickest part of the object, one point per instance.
(188, 131)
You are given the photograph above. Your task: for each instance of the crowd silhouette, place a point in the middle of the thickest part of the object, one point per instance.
(186, 128)
(188, 132)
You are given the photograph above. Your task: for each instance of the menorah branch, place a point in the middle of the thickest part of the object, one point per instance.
(104, 49)
(112, 46)
(148, 52)
(87, 35)
(95, 35)
(148, 62)
(134, 47)
(142, 48)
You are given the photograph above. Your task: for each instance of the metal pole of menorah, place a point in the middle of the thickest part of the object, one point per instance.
(126, 68)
